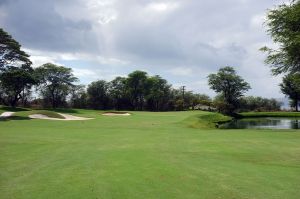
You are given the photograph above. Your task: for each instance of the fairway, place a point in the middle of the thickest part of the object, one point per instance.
(145, 155)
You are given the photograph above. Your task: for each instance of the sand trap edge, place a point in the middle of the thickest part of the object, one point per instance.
(116, 114)
(66, 116)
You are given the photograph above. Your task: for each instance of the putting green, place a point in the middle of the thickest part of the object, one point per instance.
(146, 155)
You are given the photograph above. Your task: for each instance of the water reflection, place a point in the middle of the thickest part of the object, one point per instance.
(263, 123)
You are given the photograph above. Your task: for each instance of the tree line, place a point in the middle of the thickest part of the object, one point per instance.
(54, 86)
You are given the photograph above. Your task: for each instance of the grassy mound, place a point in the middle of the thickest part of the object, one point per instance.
(12, 109)
(206, 120)
(47, 113)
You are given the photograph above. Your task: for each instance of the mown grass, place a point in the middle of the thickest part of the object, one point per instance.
(146, 155)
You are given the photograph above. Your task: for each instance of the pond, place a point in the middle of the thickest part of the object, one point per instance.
(263, 123)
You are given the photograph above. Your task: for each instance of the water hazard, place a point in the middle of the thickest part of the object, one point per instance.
(263, 123)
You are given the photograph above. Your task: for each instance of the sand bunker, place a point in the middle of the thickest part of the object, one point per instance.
(7, 114)
(116, 114)
(67, 117)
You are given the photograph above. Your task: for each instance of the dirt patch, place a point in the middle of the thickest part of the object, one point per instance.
(116, 114)
(67, 117)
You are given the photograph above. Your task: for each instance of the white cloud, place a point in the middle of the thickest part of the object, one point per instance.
(181, 71)
(162, 6)
(181, 40)
(85, 73)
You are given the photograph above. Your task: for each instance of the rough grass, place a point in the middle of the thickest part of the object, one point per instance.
(206, 120)
(270, 114)
(148, 155)
(11, 109)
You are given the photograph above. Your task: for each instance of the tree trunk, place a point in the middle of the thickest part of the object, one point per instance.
(14, 101)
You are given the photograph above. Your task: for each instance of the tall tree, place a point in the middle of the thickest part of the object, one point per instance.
(55, 83)
(283, 26)
(136, 85)
(157, 93)
(78, 98)
(16, 82)
(118, 93)
(98, 96)
(290, 86)
(10, 52)
(230, 85)
(16, 74)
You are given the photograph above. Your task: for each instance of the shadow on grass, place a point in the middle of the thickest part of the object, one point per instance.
(13, 109)
(63, 110)
(6, 119)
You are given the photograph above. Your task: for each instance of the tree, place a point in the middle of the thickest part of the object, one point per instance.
(157, 93)
(16, 74)
(290, 86)
(10, 52)
(200, 101)
(119, 94)
(16, 82)
(98, 96)
(55, 83)
(78, 98)
(136, 86)
(251, 103)
(231, 86)
(283, 26)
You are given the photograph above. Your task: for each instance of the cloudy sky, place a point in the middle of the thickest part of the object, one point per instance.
(181, 40)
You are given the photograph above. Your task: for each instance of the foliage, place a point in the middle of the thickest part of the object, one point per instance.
(16, 74)
(136, 84)
(231, 87)
(55, 83)
(290, 86)
(270, 114)
(78, 97)
(10, 52)
(118, 93)
(15, 82)
(251, 103)
(283, 26)
(138, 91)
(158, 93)
(98, 97)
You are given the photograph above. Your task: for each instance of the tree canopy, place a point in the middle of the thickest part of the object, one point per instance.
(16, 74)
(55, 83)
(290, 86)
(10, 52)
(230, 85)
(283, 24)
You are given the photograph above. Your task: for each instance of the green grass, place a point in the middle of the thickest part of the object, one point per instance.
(270, 114)
(11, 109)
(146, 155)
(206, 121)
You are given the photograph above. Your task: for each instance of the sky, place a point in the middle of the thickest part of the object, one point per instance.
(181, 40)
